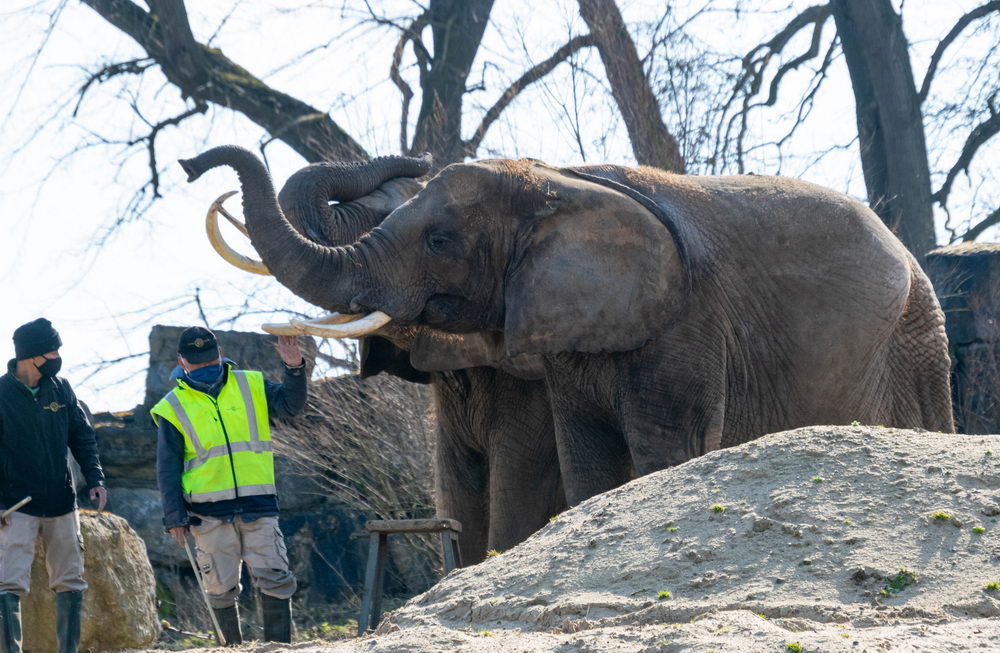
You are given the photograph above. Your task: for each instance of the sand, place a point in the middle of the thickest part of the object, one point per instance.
(832, 538)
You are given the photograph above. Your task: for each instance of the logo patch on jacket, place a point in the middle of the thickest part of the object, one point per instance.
(54, 407)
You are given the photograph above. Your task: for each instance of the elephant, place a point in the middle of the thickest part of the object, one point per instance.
(670, 315)
(496, 468)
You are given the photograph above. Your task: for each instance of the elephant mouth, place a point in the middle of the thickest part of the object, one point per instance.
(453, 313)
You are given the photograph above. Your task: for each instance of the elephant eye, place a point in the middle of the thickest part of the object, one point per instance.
(437, 242)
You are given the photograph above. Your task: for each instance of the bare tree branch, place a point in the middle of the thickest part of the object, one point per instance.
(53, 19)
(457, 27)
(411, 33)
(987, 222)
(205, 74)
(150, 139)
(532, 75)
(755, 64)
(130, 67)
(772, 94)
(952, 34)
(979, 135)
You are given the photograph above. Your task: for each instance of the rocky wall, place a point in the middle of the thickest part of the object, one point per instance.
(966, 278)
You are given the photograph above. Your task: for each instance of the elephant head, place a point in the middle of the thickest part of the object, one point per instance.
(537, 259)
(365, 193)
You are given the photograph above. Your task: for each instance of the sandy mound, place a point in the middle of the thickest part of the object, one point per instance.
(836, 538)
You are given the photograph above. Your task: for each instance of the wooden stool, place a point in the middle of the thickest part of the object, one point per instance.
(378, 541)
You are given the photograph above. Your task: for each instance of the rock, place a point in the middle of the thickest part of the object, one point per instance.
(964, 274)
(142, 509)
(119, 608)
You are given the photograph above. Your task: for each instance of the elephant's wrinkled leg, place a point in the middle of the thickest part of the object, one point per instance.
(525, 488)
(672, 432)
(461, 484)
(679, 413)
(592, 456)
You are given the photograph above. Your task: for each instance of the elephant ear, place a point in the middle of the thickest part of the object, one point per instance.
(601, 273)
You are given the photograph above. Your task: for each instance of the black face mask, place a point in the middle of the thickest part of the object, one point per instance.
(50, 367)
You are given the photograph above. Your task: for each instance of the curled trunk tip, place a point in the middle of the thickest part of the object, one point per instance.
(192, 172)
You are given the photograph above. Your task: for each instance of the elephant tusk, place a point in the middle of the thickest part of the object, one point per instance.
(298, 328)
(335, 325)
(280, 329)
(332, 318)
(229, 216)
(219, 244)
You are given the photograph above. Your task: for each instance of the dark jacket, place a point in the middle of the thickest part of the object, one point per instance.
(35, 433)
(283, 400)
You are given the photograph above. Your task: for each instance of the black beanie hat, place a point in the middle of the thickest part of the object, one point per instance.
(35, 339)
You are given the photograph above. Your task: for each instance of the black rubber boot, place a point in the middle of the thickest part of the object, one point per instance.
(68, 606)
(277, 615)
(229, 624)
(10, 623)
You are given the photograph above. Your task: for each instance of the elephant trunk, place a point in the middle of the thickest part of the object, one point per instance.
(322, 275)
(306, 196)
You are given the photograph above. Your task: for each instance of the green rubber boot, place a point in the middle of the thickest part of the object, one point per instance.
(277, 615)
(68, 606)
(229, 624)
(10, 623)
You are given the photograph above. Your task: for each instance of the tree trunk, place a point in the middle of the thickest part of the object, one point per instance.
(458, 27)
(652, 143)
(890, 124)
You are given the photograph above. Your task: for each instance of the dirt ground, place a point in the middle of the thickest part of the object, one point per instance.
(818, 539)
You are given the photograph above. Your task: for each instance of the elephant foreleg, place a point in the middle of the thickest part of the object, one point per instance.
(593, 456)
(525, 489)
(680, 412)
(461, 486)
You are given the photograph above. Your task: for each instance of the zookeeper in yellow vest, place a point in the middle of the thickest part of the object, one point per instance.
(215, 469)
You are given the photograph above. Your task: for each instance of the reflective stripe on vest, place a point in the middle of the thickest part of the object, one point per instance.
(227, 441)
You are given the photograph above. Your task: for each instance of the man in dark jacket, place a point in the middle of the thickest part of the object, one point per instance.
(40, 419)
(214, 465)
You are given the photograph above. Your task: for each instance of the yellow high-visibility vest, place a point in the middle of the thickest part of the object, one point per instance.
(227, 441)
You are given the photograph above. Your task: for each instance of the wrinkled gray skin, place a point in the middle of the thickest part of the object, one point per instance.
(673, 315)
(496, 467)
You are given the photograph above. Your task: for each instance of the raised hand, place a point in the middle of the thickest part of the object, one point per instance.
(288, 349)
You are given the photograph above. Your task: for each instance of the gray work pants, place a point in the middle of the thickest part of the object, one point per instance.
(63, 546)
(221, 547)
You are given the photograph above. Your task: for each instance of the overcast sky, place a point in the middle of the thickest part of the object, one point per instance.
(104, 299)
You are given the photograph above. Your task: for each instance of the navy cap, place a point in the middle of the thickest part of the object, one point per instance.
(198, 345)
